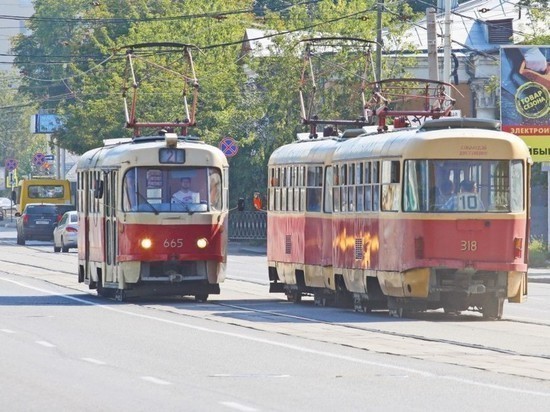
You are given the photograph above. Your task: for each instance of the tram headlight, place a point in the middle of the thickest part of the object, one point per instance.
(202, 243)
(146, 243)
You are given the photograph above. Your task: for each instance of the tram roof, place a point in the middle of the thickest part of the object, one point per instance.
(304, 151)
(125, 150)
(467, 143)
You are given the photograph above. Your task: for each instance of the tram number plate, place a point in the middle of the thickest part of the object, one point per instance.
(468, 245)
(173, 243)
(42, 222)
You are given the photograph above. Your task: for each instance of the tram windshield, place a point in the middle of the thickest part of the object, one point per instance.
(169, 189)
(447, 186)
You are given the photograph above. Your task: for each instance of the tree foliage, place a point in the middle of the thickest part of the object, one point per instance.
(73, 62)
(16, 140)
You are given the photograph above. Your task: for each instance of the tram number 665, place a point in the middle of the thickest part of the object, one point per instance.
(172, 243)
(468, 245)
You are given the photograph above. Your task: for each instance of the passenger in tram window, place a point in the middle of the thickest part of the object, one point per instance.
(445, 191)
(185, 194)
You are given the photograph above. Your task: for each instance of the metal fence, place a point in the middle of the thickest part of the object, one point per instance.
(247, 225)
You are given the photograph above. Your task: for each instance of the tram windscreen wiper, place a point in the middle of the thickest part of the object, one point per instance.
(147, 202)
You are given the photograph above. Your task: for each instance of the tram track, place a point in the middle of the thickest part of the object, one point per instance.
(319, 327)
(397, 334)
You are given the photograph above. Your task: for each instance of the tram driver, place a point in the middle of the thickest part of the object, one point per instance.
(185, 194)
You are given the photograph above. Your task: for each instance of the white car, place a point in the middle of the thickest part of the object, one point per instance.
(6, 203)
(65, 233)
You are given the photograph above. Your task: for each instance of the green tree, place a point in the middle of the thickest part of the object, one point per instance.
(16, 140)
(73, 62)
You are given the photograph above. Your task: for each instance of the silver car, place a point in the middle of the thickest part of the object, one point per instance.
(65, 234)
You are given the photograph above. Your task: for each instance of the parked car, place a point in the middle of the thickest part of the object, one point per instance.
(6, 203)
(37, 222)
(65, 234)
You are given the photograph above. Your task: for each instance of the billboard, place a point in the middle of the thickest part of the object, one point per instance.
(46, 123)
(525, 96)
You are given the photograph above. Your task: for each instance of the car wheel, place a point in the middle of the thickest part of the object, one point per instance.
(56, 249)
(64, 248)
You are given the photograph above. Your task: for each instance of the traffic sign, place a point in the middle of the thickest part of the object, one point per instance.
(11, 164)
(38, 159)
(229, 146)
(49, 158)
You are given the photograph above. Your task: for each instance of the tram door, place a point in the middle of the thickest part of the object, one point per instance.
(110, 230)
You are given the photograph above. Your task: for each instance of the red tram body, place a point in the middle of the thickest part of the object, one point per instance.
(136, 237)
(363, 219)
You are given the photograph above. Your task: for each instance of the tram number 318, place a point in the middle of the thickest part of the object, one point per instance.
(468, 245)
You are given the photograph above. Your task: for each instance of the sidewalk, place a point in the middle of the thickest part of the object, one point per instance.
(539, 275)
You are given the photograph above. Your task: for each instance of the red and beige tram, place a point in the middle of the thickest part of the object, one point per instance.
(153, 217)
(412, 220)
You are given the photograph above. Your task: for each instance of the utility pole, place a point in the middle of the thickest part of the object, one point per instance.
(379, 41)
(433, 61)
(447, 46)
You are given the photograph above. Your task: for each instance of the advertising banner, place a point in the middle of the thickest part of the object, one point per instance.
(525, 96)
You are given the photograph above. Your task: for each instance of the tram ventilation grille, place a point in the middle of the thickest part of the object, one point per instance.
(288, 244)
(359, 249)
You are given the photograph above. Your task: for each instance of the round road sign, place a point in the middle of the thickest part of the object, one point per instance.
(229, 146)
(11, 164)
(38, 159)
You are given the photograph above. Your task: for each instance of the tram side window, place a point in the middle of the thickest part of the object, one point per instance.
(390, 185)
(416, 197)
(516, 187)
(314, 188)
(327, 201)
(129, 195)
(359, 190)
(215, 187)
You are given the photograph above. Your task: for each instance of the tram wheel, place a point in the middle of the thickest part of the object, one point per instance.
(293, 296)
(120, 295)
(492, 308)
(203, 297)
(452, 311)
(398, 312)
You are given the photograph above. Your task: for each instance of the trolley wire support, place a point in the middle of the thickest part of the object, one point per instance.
(409, 100)
(187, 75)
(318, 79)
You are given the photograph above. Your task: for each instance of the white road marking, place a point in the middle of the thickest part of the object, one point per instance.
(238, 406)
(296, 348)
(7, 330)
(155, 380)
(45, 343)
(94, 361)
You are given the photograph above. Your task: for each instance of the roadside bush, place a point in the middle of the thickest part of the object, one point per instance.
(538, 253)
